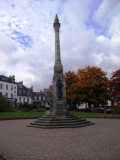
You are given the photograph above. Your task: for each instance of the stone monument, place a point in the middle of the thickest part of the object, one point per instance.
(58, 84)
(59, 117)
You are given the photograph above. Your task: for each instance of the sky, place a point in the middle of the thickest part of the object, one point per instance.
(89, 35)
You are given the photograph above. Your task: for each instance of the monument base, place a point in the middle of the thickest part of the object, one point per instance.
(60, 109)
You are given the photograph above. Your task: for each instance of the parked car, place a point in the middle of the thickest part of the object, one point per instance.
(109, 110)
(100, 110)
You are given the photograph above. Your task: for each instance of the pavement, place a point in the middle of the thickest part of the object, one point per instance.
(96, 142)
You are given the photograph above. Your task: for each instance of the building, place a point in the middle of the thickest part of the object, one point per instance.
(8, 88)
(15, 92)
(42, 98)
(48, 90)
(24, 94)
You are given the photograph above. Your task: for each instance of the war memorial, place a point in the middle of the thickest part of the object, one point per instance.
(98, 142)
(58, 116)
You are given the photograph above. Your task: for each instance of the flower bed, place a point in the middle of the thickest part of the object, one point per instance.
(18, 117)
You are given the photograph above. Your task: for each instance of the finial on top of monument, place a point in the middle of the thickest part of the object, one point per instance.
(56, 19)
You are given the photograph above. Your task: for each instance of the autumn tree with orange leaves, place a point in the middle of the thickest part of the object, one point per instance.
(71, 79)
(89, 85)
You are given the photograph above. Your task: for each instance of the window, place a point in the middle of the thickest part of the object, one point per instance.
(6, 87)
(3, 78)
(23, 99)
(14, 96)
(1, 86)
(19, 91)
(43, 97)
(27, 99)
(14, 91)
(11, 88)
(35, 97)
(14, 87)
(13, 80)
(39, 97)
(19, 99)
(24, 92)
(6, 95)
(28, 93)
(11, 95)
(48, 98)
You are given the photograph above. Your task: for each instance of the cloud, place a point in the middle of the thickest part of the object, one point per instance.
(89, 35)
(106, 12)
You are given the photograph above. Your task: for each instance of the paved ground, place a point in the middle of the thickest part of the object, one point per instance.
(97, 142)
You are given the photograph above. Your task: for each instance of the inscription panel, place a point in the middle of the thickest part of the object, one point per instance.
(59, 107)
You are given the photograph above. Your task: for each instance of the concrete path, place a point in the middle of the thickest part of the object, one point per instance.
(97, 142)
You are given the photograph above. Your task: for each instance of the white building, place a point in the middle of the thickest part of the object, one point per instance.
(15, 92)
(8, 88)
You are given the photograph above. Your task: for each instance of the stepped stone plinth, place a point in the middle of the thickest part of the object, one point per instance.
(51, 121)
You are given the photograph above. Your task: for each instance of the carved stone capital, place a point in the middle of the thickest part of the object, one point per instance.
(58, 70)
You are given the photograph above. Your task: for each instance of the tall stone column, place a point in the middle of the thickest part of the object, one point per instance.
(56, 26)
(59, 84)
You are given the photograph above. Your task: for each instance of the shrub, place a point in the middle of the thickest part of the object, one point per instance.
(20, 106)
(115, 110)
(26, 109)
(34, 106)
(13, 109)
(42, 106)
(26, 105)
(4, 104)
(41, 109)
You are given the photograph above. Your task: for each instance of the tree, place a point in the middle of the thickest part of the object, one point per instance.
(71, 78)
(114, 85)
(94, 84)
(3, 104)
(91, 86)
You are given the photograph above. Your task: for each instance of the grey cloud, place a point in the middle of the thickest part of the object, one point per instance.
(6, 45)
(106, 12)
(80, 45)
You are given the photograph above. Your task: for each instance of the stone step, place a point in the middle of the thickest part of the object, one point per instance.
(67, 113)
(54, 127)
(50, 114)
(53, 121)
(54, 116)
(60, 124)
(60, 120)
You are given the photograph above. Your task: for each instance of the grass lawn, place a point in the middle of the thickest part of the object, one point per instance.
(87, 114)
(20, 114)
(37, 114)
